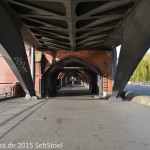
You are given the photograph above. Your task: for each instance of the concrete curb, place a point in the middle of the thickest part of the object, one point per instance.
(142, 100)
(136, 98)
(8, 98)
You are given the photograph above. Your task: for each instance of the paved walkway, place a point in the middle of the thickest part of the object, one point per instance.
(75, 90)
(77, 123)
(14, 111)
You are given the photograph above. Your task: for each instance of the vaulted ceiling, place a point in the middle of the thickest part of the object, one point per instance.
(72, 24)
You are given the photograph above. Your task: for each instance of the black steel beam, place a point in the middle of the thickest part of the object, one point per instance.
(13, 50)
(136, 41)
(81, 20)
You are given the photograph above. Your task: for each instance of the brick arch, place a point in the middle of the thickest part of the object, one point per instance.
(48, 75)
(83, 74)
(77, 58)
(82, 58)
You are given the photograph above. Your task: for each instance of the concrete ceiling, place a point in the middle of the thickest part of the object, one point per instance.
(72, 24)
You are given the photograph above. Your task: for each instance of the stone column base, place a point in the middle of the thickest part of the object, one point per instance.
(115, 99)
(30, 97)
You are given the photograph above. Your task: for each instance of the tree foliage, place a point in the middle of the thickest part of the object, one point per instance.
(142, 72)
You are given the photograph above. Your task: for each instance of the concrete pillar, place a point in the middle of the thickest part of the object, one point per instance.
(114, 63)
(47, 85)
(32, 65)
(61, 81)
(99, 82)
(136, 41)
(65, 81)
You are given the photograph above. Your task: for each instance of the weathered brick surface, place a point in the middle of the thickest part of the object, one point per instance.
(7, 79)
(6, 74)
(101, 59)
(38, 77)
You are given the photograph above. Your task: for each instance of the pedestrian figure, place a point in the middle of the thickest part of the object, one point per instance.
(71, 81)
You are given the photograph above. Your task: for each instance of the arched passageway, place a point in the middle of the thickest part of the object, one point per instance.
(75, 76)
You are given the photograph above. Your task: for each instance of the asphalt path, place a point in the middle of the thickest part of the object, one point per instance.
(77, 122)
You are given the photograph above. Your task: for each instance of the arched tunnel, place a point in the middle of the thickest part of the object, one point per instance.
(72, 72)
(89, 29)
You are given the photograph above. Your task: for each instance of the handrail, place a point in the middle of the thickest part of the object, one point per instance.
(8, 83)
(6, 89)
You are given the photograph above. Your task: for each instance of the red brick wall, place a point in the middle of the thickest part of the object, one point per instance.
(100, 59)
(38, 77)
(6, 74)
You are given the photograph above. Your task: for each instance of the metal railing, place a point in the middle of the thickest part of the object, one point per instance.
(142, 83)
(6, 90)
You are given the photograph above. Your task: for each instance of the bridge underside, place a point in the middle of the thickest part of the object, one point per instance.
(71, 72)
(75, 26)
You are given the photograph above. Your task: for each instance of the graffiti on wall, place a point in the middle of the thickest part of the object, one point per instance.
(21, 65)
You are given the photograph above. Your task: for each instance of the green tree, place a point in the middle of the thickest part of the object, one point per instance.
(142, 72)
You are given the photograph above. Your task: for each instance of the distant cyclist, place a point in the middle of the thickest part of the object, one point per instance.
(71, 81)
